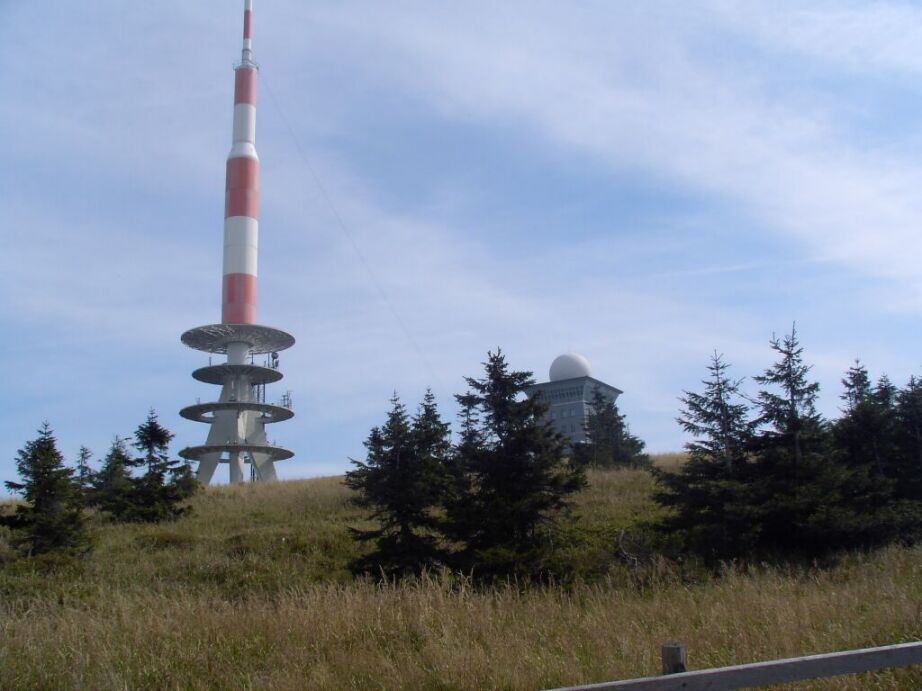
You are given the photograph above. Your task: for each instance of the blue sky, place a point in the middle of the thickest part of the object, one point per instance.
(637, 182)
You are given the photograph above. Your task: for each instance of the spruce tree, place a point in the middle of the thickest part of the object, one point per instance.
(609, 442)
(165, 485)
(788, 406)
(51, 519)
(865, 434)
(432, 444)
(856, 387)
(908, 440)
(84, 475)
(114, 489)
(515, 478)
(865, 444)
(802, 495)
(147, 488)
(468, 453)
(710, 497)
(401, 481)
(718, 418)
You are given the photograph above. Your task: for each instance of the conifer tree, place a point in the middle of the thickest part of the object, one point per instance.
(114, 490)
(865, 434)
(401, 481)
(909, 439)
(165, 484)
(515, 478)
(51, 519)
(84, 474)
(856, 387)
(710, 496)
(609, 442)
(865, 443)
(182, 485)
(432, 443)
(802, 496)
(158, 492)
(788, 408)
(884, 454)
(467, 453)
(718, 418)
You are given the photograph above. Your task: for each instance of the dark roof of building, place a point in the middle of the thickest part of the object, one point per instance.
(565, 382)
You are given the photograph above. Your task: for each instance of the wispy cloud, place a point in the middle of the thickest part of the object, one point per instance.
(583, 81)
(872, 38)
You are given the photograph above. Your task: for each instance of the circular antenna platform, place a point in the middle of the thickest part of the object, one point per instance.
(217, 374)
(276, 453)
(267, 412)
(215, 338)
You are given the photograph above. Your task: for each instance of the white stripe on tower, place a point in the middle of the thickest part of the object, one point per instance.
(241, 201)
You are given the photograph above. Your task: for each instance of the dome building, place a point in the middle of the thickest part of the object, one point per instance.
(569, 395)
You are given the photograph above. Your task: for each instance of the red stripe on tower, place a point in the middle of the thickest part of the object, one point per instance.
(245, 86)
(242, 192)
(239, 299)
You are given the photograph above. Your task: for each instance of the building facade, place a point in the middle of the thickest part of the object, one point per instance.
(569, 395)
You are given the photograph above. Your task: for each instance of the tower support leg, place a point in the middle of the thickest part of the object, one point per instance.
(206, 467)
(265, 467)
(236, 467)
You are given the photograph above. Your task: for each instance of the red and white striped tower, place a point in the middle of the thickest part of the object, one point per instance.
(237, 420)
(241, 201)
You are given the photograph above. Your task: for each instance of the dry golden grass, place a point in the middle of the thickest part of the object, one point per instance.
(669, 461)
(252, 591)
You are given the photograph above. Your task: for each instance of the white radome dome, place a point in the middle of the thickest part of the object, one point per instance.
(570, 366)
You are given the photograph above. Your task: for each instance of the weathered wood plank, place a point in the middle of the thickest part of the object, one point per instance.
(772, 672)
(673, 656)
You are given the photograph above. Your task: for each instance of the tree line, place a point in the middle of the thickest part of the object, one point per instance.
(146, 487)
(766, 478)
(769, 477)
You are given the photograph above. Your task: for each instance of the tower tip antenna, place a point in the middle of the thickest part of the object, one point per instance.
(246, 58)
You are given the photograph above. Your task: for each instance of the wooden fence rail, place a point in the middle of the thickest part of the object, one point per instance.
(764, 673)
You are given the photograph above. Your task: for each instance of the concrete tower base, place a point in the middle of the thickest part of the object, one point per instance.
(238, 419)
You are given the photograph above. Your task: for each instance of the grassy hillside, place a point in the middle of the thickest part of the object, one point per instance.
(253, 591)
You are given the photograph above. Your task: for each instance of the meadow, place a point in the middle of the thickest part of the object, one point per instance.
(253, 590)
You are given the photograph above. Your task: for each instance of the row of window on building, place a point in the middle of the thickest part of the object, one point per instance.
(565, 395)
(567, 412)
